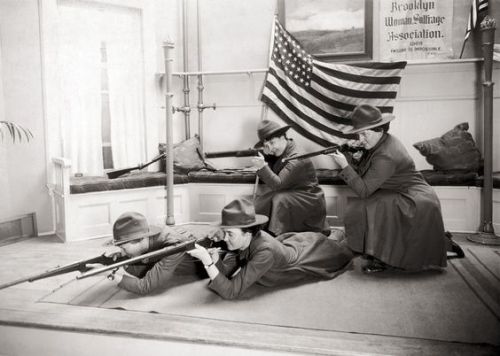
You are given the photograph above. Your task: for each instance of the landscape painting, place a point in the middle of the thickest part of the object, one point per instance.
(339, 29)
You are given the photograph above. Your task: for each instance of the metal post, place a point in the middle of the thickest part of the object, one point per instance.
(487, 234)
(186, 109)
(167, 46)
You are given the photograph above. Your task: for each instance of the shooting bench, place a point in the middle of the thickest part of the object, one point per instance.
(86, 207)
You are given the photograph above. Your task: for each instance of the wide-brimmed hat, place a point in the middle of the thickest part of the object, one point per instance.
(132, 226)
(365, 117)
(268, 128)
(241, 213)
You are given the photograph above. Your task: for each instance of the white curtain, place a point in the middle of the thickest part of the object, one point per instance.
(79, 61)
(126, 88)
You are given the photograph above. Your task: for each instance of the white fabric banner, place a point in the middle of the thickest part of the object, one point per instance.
(415, 29)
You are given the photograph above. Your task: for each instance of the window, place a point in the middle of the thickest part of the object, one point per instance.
(95, 65)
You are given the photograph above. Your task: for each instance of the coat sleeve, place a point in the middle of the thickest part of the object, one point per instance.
(256, 267)
(288, 176)
(157, 277)
(381, 168)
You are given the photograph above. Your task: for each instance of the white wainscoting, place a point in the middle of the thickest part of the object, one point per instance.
(91, 215)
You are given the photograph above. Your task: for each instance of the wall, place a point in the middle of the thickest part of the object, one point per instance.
(23, 165)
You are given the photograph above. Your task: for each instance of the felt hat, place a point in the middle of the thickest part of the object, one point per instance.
(240, 213)
(268, 128)
(132, 226)
(365, 117)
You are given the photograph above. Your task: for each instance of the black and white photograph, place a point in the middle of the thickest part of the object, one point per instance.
(265, 177)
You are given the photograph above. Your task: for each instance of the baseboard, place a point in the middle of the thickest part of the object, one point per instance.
(17, 227)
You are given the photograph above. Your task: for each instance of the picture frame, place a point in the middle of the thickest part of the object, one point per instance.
(339, 30)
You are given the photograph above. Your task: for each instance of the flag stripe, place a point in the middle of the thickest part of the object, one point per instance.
(312, 134)
(361, 79)
(375, 76)
(306, 97)
(292, 111)
(348, 91)
(327, 96)
(318, 97)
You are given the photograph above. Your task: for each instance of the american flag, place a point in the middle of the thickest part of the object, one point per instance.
(316, 98)
(478, 10)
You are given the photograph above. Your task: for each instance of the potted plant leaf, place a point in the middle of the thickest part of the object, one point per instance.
(14, 131)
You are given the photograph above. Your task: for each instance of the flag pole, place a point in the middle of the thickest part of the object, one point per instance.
(487, 234)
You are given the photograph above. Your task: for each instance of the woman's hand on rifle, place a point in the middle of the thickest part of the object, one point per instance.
(339, 158)
(208, 258)
(259, 162)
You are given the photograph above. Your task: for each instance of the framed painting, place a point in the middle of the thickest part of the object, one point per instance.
(337, 30)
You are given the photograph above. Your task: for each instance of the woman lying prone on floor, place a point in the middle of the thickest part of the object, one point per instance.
(133, 237)
(265, 260)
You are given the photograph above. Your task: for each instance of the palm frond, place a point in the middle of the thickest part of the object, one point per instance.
(14, 131)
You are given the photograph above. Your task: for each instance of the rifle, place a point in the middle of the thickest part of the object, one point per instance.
(160, 253)
(243, 153)
(119, 172)
(325, 151)
(81, 266)
(110, 263)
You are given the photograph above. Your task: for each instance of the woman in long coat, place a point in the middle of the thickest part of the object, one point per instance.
(294, 201)
(396, 218)
(265, 260)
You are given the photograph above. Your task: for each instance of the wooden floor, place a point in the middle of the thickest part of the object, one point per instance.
(28, 327)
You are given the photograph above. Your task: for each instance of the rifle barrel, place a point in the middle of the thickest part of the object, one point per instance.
(243, 153)
(324, 151)
(80, 266)
(119, 172)
(165, 251)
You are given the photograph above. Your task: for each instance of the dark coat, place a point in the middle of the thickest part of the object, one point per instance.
(295, 201)
(289, 258)
(155, 274)
(397, 215)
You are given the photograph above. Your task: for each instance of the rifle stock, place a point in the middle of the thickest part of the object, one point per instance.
(119, 172)
(242, 153)
(80, 266)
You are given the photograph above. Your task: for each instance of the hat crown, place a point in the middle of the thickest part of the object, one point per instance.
(268, 128)
(365, 115)
(237, 213)
(129, 226)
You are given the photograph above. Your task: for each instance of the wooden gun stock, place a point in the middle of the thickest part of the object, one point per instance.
(243, 153)
(119, 172)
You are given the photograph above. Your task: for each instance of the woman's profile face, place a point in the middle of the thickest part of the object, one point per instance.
(136, 247)
(236, 239)
(275, 146)
(369, 138)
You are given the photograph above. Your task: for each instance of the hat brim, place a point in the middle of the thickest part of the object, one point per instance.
(153, 230)
(385, 119)
(277, 132)
(259, 220)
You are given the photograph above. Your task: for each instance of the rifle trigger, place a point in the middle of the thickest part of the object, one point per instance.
(111, 276)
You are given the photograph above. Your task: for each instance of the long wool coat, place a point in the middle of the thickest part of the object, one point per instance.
(294, 201)
(397, 215)
(289, 258)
